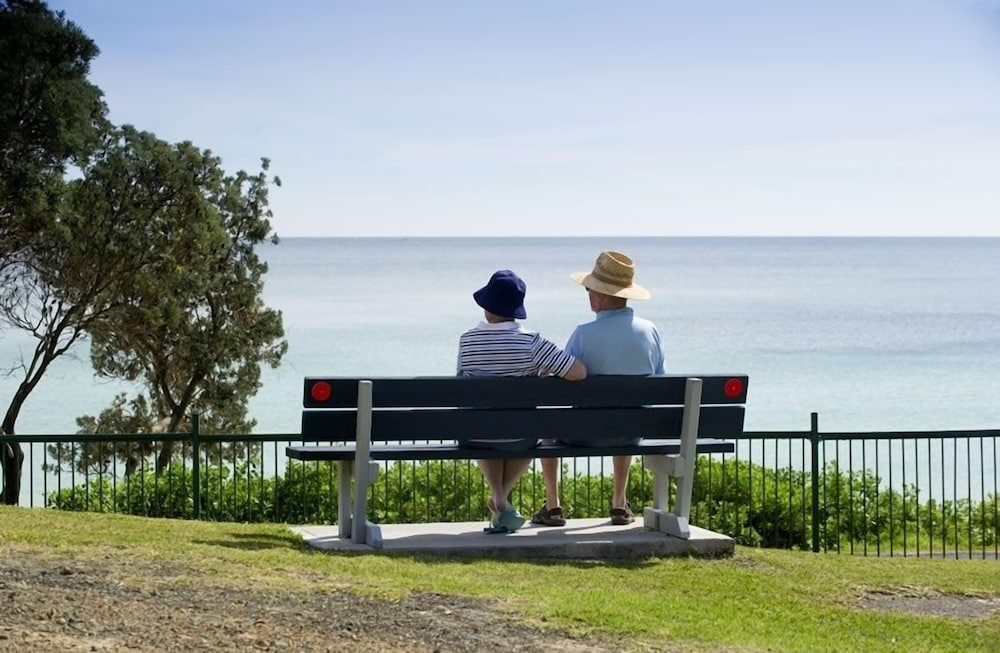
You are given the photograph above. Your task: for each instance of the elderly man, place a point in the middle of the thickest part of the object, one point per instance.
(615, 342)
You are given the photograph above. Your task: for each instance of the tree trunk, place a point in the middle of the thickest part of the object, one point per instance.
(12, 458)
(163, 459)
(172, 425)
(11, 454)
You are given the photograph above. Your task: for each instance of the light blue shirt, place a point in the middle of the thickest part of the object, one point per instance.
(618, 342)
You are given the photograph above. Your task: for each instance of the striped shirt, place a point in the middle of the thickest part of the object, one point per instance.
(507, 349)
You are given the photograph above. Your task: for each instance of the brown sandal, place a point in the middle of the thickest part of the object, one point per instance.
(622, 516)
(546, 517)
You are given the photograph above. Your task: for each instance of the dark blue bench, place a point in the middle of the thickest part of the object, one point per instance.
(367, 421)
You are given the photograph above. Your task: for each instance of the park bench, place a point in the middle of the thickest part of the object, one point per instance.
(365, 422)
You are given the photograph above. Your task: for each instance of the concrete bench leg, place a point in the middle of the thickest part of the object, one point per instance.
(662, 468)
(660, 517)
(361, 483)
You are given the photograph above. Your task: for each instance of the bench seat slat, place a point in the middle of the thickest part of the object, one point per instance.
(524, 392)
(452, 451)
(438, 424)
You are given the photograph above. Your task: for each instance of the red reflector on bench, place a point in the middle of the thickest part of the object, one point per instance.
(320, 391)
(733, 388)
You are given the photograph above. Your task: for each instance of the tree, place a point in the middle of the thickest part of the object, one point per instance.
(196, 330)
(86, 265)
(50, 116)
(152, 256)
(150, 251)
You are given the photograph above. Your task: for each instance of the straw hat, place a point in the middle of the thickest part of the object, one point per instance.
(612, 275)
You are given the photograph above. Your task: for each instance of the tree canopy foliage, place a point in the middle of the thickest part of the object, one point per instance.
(50, 116)
(148, 250)
(50, 113)
(196, 329)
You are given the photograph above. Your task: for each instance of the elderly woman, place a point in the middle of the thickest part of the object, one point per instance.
(499, 346)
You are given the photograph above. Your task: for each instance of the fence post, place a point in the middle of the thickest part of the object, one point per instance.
(814, 440)
(196, 462)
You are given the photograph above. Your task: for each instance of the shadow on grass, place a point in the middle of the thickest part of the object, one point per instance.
(258, 542)
(538, 562)
(430, 559)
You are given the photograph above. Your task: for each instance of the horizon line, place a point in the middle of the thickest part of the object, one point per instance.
(606, 236)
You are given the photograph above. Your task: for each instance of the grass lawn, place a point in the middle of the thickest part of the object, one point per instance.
(757, 600)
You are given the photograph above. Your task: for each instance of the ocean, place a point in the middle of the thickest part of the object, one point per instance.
(874, 334)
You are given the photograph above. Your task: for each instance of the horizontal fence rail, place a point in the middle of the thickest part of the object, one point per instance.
(889, 493)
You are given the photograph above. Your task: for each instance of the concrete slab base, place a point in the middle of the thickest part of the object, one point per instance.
(579, 539)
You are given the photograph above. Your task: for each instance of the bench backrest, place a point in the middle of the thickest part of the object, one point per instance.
(445, 408)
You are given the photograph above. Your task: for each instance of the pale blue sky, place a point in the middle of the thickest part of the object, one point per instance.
(575, 117)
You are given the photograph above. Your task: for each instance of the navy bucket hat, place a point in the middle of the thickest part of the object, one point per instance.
(503, 295)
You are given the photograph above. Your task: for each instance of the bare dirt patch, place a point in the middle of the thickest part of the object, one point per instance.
(923, 601)
(58, 602)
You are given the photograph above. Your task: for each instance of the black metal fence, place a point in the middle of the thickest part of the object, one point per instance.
(909, 493)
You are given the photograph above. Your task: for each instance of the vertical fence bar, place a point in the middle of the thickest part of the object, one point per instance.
(279, 510)
(722, 482)
(72, 469)
(982, 497)
(814, 440)
(736, 470)
(968, 478)
(231, 515)
(889, 495)
(791, 486)
(851, 533)
(864, 496)
(802, 486)
(903, 493)
(878, 520)
(31, 473)
(45, 483)
(916, 493)
(837, 491)
(931, 510)
(196, 463)
(954, 492)
(114, 481)
(261, 498)
(944, 506)
(777, 484)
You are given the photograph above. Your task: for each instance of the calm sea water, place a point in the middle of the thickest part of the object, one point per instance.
(873, 334)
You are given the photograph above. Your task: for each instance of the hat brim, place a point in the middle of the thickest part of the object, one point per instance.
(587, 280)
(484, 301)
